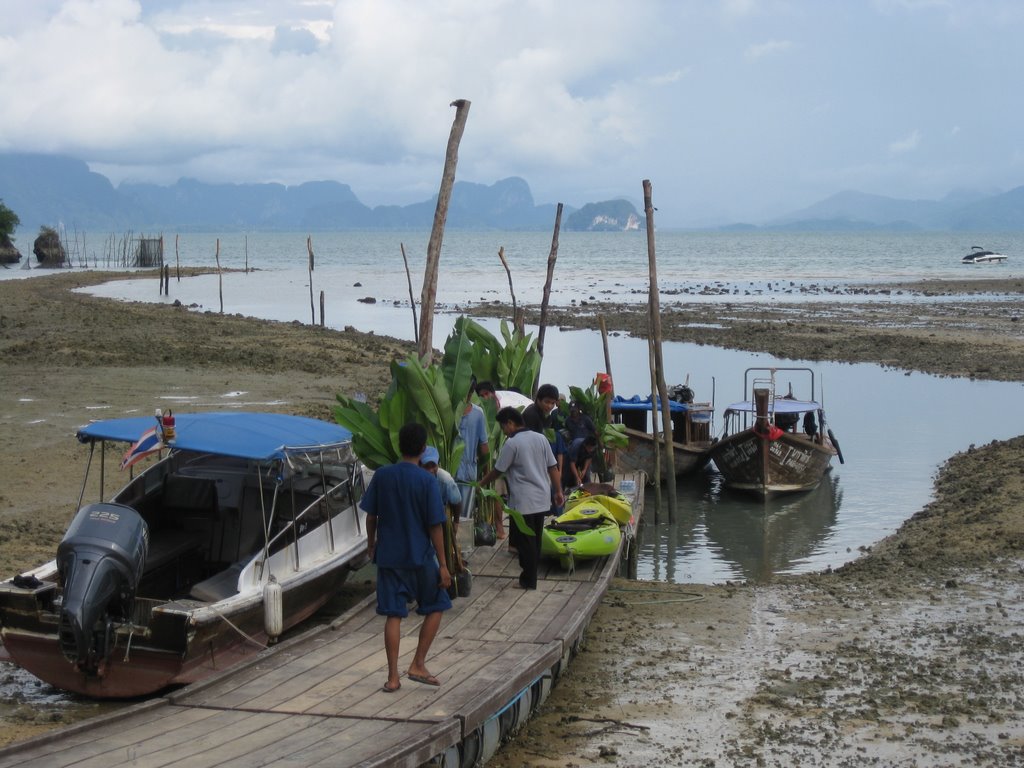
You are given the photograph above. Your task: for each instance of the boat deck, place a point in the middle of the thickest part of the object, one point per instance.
(317, 699)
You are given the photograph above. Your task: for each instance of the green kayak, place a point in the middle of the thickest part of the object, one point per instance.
(587, 530)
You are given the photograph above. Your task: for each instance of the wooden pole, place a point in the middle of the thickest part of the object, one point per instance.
(552, 255)
(508, 273)
(659, 365)
(429, 294)
(611, 382)
(246, 254)
(309, 250)
(220, 278)
(412, 299)
(654, 423)
(322, 309)
(177, 259)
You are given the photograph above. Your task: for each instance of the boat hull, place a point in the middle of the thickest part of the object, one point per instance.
(183, 641)
(758, 464)
(638, 455)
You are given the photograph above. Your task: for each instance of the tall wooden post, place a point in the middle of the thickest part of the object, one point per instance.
(429, 294)
(309, 251)
(412, 299)
(220, 277)
(659, 365)
(552, 256)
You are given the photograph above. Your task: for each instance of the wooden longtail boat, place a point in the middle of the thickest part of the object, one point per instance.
(691, 435)
(772, 445)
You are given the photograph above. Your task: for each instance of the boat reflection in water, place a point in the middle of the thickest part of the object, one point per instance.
(720, 536)
(769, 538)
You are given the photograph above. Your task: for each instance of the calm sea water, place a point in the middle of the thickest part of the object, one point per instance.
(886, 420)
(590, 266)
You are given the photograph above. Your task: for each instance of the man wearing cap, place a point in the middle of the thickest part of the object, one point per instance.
(450, 493)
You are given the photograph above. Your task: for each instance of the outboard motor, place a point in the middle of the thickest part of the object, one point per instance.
(681, 393)
(99, 564)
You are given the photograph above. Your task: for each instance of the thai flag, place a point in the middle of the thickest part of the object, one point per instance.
(150, 442)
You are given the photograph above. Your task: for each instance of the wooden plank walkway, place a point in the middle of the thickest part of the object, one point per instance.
(316, 699)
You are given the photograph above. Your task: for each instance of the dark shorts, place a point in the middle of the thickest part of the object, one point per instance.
(397, 587)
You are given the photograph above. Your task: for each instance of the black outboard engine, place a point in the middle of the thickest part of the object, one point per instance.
(681, 393)
(99, 564)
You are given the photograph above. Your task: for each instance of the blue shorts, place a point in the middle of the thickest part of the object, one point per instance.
(397, 587)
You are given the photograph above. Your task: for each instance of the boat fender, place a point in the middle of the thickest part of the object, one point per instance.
(273, 612)
(835, 444)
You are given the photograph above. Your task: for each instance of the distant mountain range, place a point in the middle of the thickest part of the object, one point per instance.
(960, 211)
(55, 190)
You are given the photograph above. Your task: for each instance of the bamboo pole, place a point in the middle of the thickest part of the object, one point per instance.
(220, 278)
(429, 294)
(659, 365)
(322, 302)
(552, 256)
(611, 382)
(412, 299)
(508, 273)
(312, 308)
(177, 259)
(655, 429)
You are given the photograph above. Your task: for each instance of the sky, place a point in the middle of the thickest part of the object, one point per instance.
(735, 110)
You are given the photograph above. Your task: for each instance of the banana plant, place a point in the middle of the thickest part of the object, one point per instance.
(435, 395)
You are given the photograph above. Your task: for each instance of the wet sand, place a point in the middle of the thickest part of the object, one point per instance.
(908, 656)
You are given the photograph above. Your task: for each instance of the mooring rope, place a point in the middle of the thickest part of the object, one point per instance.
(238, 629)
(691, 597)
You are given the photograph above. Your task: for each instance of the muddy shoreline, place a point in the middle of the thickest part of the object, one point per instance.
(908, 656)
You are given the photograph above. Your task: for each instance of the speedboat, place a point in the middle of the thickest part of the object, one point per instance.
(240, 526)
(979, 255)
(773, 445)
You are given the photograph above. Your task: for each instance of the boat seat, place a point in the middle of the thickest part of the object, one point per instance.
(219, 586)
(184, 496)
(577, 526)
(167, 546)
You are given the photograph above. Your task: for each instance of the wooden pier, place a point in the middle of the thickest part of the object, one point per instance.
(317, 699)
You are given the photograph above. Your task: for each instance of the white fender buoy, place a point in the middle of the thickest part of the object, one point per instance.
(273, 610)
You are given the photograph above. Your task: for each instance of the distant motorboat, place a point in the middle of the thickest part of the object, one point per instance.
(979, 255)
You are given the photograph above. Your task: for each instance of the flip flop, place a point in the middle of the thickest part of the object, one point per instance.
(425, 679)
(386, 689)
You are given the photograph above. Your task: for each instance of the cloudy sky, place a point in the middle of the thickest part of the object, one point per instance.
(736, 110)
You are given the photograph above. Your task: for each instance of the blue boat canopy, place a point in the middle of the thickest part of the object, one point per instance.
(636, 403)
(782, 405)
(243, 435)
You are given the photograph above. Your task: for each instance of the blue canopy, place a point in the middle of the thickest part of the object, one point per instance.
(636, 403)
(782, 405)
(258, 436)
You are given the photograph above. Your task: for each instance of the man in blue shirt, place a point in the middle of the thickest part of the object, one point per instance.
(405, 538)
(473, 432)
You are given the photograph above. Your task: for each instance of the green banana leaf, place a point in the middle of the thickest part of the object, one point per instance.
(457, 365)
(513, 514)
(369, 440)
(429, 402)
